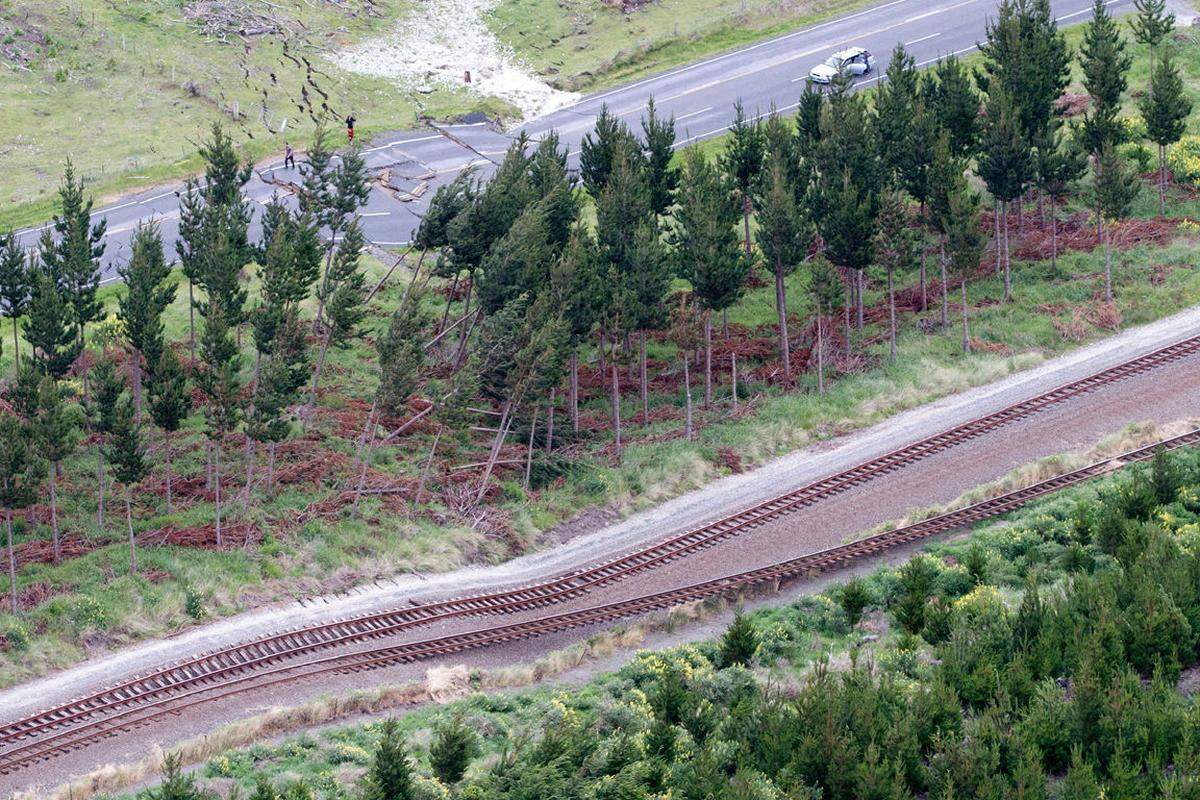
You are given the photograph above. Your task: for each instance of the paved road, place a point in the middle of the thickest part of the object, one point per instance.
(700, 95)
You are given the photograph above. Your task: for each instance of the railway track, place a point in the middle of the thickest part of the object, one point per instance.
(24, 754)
(246, 661)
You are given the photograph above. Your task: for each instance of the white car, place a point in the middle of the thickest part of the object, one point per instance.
(851, 61)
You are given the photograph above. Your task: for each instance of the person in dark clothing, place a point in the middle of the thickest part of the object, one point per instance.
(289, 156)
(350, 128)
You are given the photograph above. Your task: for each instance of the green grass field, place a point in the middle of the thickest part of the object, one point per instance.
(580, 45)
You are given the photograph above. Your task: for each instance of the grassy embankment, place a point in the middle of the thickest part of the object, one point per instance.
(91, 602)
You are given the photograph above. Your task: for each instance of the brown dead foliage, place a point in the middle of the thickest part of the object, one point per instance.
(233, 534)
(1078, 232)
(1071, 104)
(33, 595)
(728, 458)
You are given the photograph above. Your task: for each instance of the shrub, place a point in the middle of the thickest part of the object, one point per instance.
(193, 603)
(450, 753)
(854, 598)
(739, 643)
(1183, 158)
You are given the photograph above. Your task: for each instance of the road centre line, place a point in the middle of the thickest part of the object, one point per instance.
(809, 52)
(694, 113)
(922, 39)
(742, 51)
(937, 11)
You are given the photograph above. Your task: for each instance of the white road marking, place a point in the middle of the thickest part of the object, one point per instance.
(694, 113)
(820, 48)
(937, 11)
(724, 56)
(376, 214)
(922, 39)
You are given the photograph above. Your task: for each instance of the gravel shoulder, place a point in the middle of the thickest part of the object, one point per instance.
(689, 510)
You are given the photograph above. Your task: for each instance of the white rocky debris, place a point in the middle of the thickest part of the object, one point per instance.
(438, 42)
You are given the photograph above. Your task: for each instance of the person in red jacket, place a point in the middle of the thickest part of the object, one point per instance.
(350, 128)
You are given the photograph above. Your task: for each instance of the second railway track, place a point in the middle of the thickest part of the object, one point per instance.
(242, 664)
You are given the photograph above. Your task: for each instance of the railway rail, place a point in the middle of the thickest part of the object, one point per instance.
(231, 669)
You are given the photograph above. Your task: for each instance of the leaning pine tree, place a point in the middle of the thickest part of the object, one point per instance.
(128, 459)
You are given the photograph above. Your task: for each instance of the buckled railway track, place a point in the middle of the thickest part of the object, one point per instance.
(260, 663)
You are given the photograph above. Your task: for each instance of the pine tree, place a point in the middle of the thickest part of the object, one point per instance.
(825, 292)
(577, 284)
(128, 458)
(896, 109)
(1165, 110)
(552, 189)
(520, 261)
(1057, 165)
(945, 175)
(598, 148)
(147, 296)
(170, 404)
(661, 174)
(844, 201)
(1104, 63)
(784, 235)
(706, 245)
(964, 242)
(20, 478)
(71, 249)
(390, 775)
(1115, 187)
(742, 161)
(916, 156)
(454, 745)
(1026, 58)
(175, 784)
(894, 248)
(102, 404)
(15, 286)
(218, 378)
(808, 120)
(739, 643)
(1151, 26)
(402, 358)
(956, 106)
(48, 328)
(213, 243)
(1005, 163)
(648, 282)
(848, 228)
(55, 430)
(347, 193)
(341, 294)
